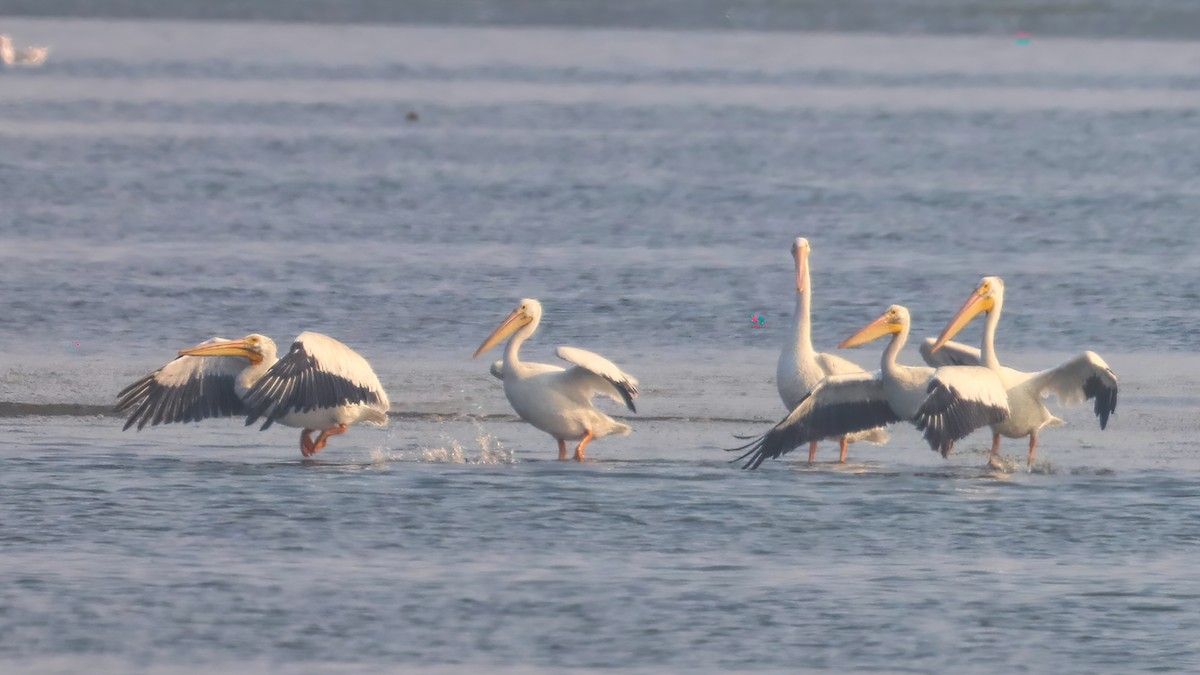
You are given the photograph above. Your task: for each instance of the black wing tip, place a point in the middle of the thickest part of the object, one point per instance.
(141, 382)
(627, 391)
(298, 384)
(1104, 395)
(755, 447)
(257, 414)
(945, 418)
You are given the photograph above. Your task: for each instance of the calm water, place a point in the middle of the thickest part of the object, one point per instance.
(162, 182)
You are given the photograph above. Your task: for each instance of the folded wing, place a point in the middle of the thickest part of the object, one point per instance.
(951, 354)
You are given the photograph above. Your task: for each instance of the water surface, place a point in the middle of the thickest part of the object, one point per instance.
(163, 182)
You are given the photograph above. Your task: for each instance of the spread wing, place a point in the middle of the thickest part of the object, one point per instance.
(951, 354)
(840, 405)
(1084, 377)
(188, 389)
(599, 375)
(961, 399)
(318, 372)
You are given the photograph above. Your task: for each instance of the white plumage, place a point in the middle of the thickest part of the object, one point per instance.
(320, 384)
(555, 400)
(946, 403)
(1084, 377)
(800, 368)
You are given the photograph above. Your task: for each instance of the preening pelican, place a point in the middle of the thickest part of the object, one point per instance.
(946, 403)
(319, 385)
(1084, 377)
(558, 401)
(26, 56)
(800, 368)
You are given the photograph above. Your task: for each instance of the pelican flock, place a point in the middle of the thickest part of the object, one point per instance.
(1085, 377)
(945, 403)
(800, 368)
(25, 56)
(555, 400)
(319, 385)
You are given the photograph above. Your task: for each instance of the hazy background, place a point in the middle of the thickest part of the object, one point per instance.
(1149, 19)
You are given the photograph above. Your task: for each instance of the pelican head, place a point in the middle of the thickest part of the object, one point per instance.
(894, 320)
(987, 296)
(254, 347)
(800, 251)
(529, 311)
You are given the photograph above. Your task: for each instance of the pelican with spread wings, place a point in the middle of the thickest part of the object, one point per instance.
(1085, 377)
(319, 385)
(556, 400)
(945, 403)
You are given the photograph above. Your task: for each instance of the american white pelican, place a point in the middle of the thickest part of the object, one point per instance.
(26, 56)
(320, 384)
(946, 403)
(800, 368)
(1084, 377)
(558, 401)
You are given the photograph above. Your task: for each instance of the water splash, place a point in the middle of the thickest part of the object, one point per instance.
(489, 452)
(483, 449)
(1009, 465)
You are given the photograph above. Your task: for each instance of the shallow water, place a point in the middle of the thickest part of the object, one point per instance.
(162, 182)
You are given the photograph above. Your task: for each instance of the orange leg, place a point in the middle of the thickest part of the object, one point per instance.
(306, 443)
(845, 446)
(323, 437)
(1032, 447)
(562, 450)
(994, 457)
(587, 438)
(812, 452)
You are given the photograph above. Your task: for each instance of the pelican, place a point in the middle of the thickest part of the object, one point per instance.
(1084, 377)
(320, 384)
(946, 403)
(801, 369)
(559, 401)
(26, 56)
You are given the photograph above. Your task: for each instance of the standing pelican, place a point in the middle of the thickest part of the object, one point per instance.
(1084, 377)
(801, 369)
(320, 384)
(558, 401)
(946, 403)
